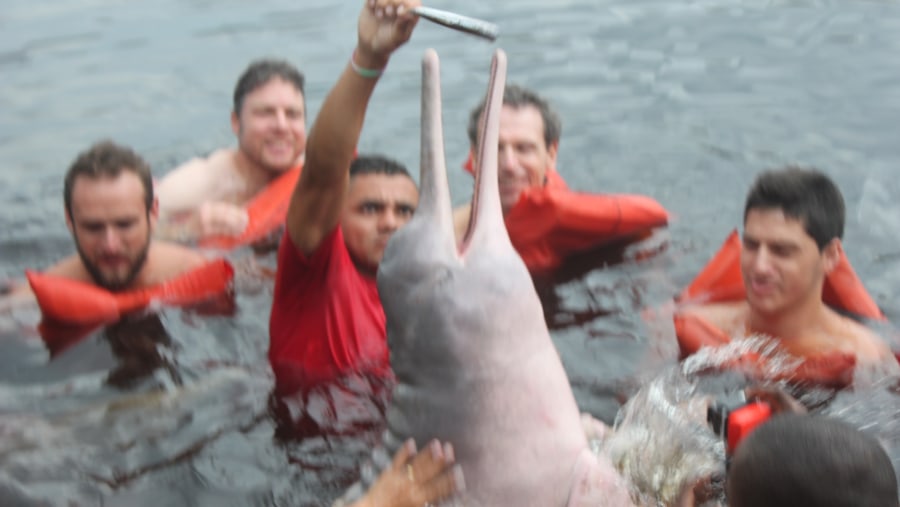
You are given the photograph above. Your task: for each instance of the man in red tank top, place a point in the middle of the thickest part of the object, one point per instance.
(327, 320)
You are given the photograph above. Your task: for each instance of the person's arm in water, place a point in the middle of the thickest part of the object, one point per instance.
(415, 479)
(318, 199)
(186, 212)
(14, 294)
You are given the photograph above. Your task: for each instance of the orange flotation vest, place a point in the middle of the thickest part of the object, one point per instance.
(77, 303)
(721, 281)
(550, 223)
(266, 212)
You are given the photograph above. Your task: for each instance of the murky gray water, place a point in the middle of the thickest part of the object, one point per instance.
(684, 101)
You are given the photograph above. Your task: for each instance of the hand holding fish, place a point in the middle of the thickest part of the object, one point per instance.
(384, 25)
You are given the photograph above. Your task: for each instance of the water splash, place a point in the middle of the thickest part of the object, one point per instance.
(662, 442)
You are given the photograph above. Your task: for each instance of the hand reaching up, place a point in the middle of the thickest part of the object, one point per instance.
(384, 25)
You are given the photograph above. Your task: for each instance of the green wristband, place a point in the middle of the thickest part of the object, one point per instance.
(362, 71)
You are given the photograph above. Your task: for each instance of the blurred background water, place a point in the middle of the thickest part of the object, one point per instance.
(684, 101)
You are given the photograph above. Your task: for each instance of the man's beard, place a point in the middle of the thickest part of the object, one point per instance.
(114, 286)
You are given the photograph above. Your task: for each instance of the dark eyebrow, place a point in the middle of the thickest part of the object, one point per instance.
(785, 245)
(90, 223)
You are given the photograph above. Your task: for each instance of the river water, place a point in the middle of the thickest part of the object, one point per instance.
(683, 100)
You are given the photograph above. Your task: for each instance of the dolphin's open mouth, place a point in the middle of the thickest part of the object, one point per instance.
(435, 213)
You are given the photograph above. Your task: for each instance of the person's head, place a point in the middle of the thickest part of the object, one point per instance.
(793, 224)
(805, 461)
(269, 115)
(381, 197)
(111, 212)
(529, 140)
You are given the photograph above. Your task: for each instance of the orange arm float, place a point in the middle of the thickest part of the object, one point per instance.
(721, 281)
(551, 223)
(265, 212)
(694, 333)
(78, 303)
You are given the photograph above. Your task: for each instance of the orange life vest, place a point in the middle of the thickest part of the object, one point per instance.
(266, 212)
(721, 281)
(552, 222)
(78, 303)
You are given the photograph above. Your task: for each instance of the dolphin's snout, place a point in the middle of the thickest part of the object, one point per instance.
(434, 202)
(486, 220)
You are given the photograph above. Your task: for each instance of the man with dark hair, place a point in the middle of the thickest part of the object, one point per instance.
(546, 221)
(111, 212)
(529, 141)
(207, 196)
(327, 320)
(793, 224)
(518, 97)
(804, 461)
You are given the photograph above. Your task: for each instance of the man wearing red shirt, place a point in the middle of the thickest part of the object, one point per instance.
(327, 320)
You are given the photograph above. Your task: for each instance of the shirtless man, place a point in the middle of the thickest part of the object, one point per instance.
(111, 212)
(793, 224)
(206, 196)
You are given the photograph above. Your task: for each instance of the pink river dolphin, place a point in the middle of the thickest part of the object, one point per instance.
(473, 358)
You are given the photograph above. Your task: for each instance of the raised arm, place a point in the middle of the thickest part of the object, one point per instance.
(318, 199)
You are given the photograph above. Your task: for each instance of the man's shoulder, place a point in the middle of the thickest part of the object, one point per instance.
(223, 158)
(171, 259)
(195, 180)
(70, 267)
(868, 345)
(721, 315)
(293, 260)
(208, 167)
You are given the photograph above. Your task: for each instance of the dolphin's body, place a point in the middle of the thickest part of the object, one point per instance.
(474, 361)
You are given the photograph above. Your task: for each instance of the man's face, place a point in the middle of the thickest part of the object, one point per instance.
(111, 227)
(781, 264)
(377, 205)
(523, 156)
(271, 127)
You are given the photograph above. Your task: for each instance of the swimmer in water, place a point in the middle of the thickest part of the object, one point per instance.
(207, 196)
(532, 190)
(793, 225)
(327, 320)
(797, 460)
(111, 212)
